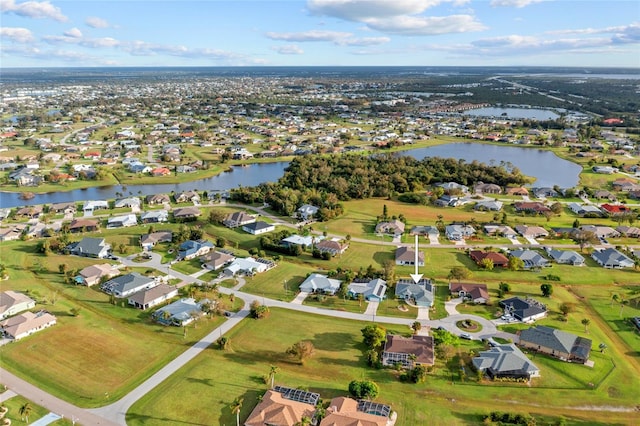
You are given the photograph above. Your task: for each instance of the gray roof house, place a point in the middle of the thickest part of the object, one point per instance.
(153, 296)
(127, 202)
(557, 343)
(531, 231)
(91, 247)
(372, 291)
(154, 216)
(425, 230)
(236, 219)
(257, 228)
(180, 312)
(505, 361)
(531, 258)
(318, 283)
(126, 285)
(498, 229)
(459, 232)
(123, 221)
(525, 310)
(491, 205)
(420, 294)
(394, 227)
(566, 257)
(611, 258)
(407, 256)
(307, 211)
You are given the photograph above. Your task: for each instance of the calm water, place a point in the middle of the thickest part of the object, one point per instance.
(520, 113)
(545, 166)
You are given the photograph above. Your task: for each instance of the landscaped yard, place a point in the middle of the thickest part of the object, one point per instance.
(258, 344)
(15, 403)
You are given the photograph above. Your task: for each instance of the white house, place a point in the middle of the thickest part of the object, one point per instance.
(318, 283)
(257, 228)
(123, 221)
(247, 265)
(12, 302)
(27, 323)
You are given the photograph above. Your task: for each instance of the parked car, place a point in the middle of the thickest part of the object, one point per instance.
(465, 336)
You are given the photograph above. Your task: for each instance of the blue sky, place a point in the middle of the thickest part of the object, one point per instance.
(50, 33)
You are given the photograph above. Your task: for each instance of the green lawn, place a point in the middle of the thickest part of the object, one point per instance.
(338, 359)
(15, 403)
(271, 284)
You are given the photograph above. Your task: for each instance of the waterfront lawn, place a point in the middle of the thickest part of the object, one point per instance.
(206, 394)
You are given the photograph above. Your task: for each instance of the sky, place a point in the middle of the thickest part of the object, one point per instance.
(92, 33)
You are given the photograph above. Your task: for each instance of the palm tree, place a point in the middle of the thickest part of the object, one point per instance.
(272, 374)
(413, 358)
(24, 411)
(236, 406)
(304, 421)
(586, 323)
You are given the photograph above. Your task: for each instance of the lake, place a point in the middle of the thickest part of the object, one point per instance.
(519, 113)
(545, 166)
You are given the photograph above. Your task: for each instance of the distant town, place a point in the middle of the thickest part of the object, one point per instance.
(320, 246)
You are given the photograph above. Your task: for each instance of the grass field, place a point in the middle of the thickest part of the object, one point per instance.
(206, 391)
(14, 404)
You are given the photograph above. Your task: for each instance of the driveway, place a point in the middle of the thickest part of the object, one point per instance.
(423, 314)
(372, 308)
(514, 241)
(434, 240)
(300, 298)
(532, 241)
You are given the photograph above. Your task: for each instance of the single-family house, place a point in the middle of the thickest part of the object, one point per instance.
(477, 293)
(419, 294)
(611, 258)
(525, 310)
(458, 232)
(216, 260)
(158, 199)
(179, 313)
(131, 202)
(520, 190)
(283, 407)
(489, 205)
(531, 258)
(186, 213)
(10, 234)
(344, 411)
(148, 241)
(259, 227)
(407, 256)
(557, 343)
(302, 241)
(425, 231)
(408, 351)
(394, 227)
(154, 216)
(601, 194)
(531, 231)
(247, 266)
(31, 212)
(13, 302)
(191, 249)
(235, 219)
(601, 231)
(84, 225)
(544, 192)
(453, 188)
(585, 210)
(531, 207)
(615, 209)
(500, 230)
(153, 296)
(187, 196)
(92, 205)
(318, 283)
(505, 361)
(372, 291)
(26, 324)
(123, 221)
(126, 285)
(487, 188)
(566, 257)
(629, 231)
(332, 246)
(606, 170)
(498, 259)
(64, 208)
(91, 247)
(93, 274)
(307, 212)
(160, 171)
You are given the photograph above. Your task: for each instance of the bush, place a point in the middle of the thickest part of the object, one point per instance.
(365, 389)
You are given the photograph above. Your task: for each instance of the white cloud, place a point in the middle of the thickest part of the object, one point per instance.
(33, 9)
(513, 3)
(364, 41)
(289, 49)
(404, 17)
(95, 22)
(73, 32)
(19, 35)
(423, 25)
(313, 35)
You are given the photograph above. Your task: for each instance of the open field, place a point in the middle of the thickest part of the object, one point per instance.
(14, 404)
(255, 345)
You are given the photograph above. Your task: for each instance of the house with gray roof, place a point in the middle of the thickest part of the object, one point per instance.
(153, 296)
(611, 258)
(91, 247)
(307, 211)
(148, 241)
(407, 256)
(257, 228)
(419, 294)
(490, 205)
(154, 216)
(300, 240)
(531, 258)
(585, 209)
(318, 283)
(372, 291)
(425, 231)
(235, 219)
(566, 257)
(557, 343)
(458, 232)
(123, 221)
(190, 249)
(180, 312)
(126, 285)
(499, 229)
(531, 231)
(394, 227)
(505, 361)
(127, 202)
(525, 310)
(90, 206)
